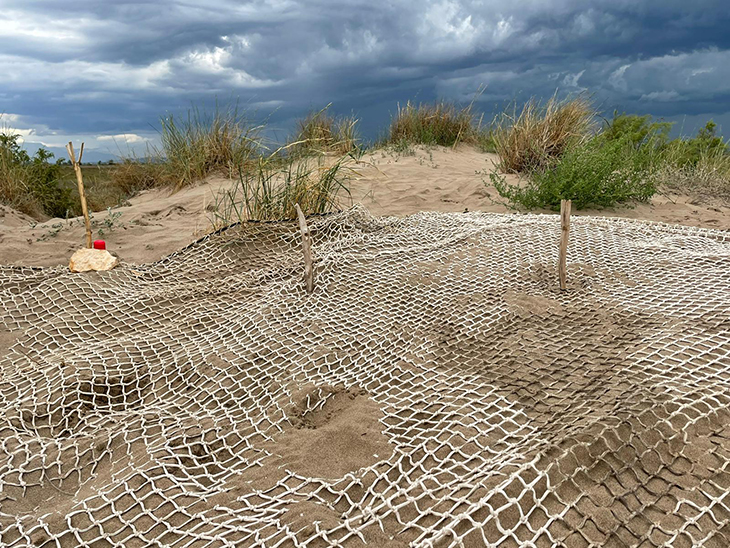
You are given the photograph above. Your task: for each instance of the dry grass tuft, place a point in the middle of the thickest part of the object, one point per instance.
(541, 133)
(440, 123)
(321, 132)
(709, 176)
(202, 144)
(132, 176)
(269, 190)
(14, 189)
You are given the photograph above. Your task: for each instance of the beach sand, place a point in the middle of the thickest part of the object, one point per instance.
(436, 389)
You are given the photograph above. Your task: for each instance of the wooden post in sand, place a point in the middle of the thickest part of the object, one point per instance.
(564, 234)
(80, 180)
(307, 250)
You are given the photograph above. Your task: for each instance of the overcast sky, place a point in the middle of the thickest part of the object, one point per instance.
(100, 70)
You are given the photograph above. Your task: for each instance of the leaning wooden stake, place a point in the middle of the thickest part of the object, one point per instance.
(80, 180)
(564, 234)
(307, 249)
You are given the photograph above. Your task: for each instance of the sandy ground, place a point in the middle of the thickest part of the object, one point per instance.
(157, 222)
(436, 383)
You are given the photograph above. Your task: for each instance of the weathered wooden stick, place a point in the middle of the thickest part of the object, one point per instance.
(80, 180)
(564, 235)
(307, 250)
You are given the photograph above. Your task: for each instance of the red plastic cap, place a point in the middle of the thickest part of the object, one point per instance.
(99, 244)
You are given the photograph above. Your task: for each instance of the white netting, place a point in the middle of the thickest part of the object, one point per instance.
(437, 389)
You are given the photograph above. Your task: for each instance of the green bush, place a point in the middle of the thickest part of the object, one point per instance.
(31, 184)
(636, 130)
(599, 173)
(44, 178)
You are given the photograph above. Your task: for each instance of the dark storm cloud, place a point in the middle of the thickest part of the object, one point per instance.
(97, 67)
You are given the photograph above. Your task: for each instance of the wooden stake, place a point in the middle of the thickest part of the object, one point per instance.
(82, 194)
(307, 250)
(564, 234)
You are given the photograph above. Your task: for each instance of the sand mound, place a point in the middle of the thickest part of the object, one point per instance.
(437, 389)
(158, 222)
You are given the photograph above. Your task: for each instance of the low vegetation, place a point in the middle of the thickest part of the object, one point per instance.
(270, 190)
(132, 175)
(192, 148)
(541, 133)
(31, 184)
(201, 144)
(559, 148)
(597, 172)
(440, 123)
(626, 160)
(320, 132)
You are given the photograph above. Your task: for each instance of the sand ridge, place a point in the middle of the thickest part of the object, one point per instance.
(157, 222)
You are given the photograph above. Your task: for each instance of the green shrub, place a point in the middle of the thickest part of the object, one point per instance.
(43, 183)
(31, 184)
(636, 130)
(598, 173)
(700, 164)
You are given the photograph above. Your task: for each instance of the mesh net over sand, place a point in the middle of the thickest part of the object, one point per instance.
(437, 389)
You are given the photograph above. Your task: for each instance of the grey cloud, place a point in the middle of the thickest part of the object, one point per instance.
(103, 67)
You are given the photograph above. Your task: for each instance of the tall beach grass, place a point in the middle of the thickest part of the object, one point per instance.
(442, 123)
(540, 133)
(322, 132)
(203, 143)
(270, 190)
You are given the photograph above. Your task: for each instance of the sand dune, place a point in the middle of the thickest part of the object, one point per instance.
(157, 222)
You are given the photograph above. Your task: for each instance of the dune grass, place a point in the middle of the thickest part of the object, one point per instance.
(699, 165)
(100, 186)
(442, 123)
(192, 147)
(556, 146)
(540, 133)
(320, 132)
(131, 175)
(270, 191)
(710, 177)
(203, 143)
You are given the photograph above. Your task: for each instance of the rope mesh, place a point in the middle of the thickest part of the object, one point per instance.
(198, 401)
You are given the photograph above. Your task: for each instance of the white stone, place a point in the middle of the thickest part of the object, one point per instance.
(85, 260)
